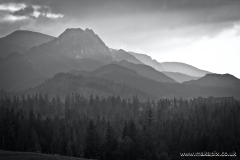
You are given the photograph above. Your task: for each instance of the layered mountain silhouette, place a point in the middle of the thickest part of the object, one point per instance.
(65, 83)
(217, 80)
(148, 61)
(119, 74)
(146, 71)
(183, 68)
(180, 72)
(180, 77)
(112, 78)
(84, 54)
(73, 49)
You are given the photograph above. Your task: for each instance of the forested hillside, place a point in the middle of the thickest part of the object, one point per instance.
(114, 128)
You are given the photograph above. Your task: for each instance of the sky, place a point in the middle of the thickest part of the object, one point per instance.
(202, 33)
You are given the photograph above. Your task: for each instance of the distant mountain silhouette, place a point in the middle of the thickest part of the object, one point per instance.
(17, 73)
(217, 80)
(6, 48)
(180, 77)
(27, 39)
(148, 61)
(146, 71)
(119, 55)
(178, 71)
(75, 49)
(183, 68)
(82, 52)
(119, 74)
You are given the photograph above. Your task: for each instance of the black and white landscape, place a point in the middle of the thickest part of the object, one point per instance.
(71, 93)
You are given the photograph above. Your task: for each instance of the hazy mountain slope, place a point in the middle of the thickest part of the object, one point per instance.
(20, 71)
(127, 76)
(113, 79)
(6, 48)
(146, 71)
(27, 39)
(17, 73)
(52, 62)
(218, 80)
(180, 77)
(171, 68)
(74, 49)
(119, 55)
(183, 68)
(49, 60)
(148, 61)
(113, 69)
(64, 83)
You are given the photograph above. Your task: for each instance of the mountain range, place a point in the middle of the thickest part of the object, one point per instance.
(20, 41)
(35, 57)
(180, 72)
(183, 68)
(113, 79)
(146, 71)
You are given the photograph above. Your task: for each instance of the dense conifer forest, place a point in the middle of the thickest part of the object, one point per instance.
(113, 128)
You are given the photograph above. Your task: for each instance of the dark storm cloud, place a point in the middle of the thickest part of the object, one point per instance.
(27, 11)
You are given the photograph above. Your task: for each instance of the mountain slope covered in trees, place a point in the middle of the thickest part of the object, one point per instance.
(63, 84)
(112, 128)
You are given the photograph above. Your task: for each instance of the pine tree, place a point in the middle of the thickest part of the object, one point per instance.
(92, 142)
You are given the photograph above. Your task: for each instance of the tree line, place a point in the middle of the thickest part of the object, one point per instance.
(114, 128)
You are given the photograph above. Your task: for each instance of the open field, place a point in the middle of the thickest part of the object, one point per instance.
(9, 155)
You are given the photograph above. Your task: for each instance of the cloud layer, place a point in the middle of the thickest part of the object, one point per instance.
(11, 12)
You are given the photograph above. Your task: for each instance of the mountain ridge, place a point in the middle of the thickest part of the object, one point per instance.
(146, 71)
(217, 80)
(184, 68)
(27, 39)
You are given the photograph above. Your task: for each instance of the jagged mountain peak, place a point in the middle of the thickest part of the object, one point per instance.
(119, 55)
(89, 31)
(78, 36)
(71, 33)
(77, 43)
(74, 32)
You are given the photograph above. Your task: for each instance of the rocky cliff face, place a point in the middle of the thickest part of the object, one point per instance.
(80, 44)
(120, 55)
